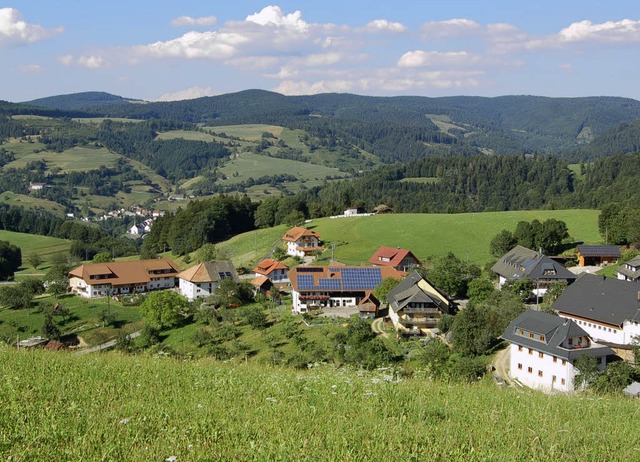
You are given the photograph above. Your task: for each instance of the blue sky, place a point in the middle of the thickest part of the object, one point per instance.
(167, 50)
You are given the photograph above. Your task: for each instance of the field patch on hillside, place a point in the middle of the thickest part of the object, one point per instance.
(79, 158)
(44, 246)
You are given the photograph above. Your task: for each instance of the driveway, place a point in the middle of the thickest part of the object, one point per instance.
(105, 345)
(501, 365)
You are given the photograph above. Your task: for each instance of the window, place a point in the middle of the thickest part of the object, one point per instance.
(553, 379)
(555, 360)
(541, 337)
(562, 381)
(530, 351)
(530, 370)
(519, 366)
(530, 334)
(539, 373)
(564, 362)
(540, 355)
(519, 347)
(521, 331)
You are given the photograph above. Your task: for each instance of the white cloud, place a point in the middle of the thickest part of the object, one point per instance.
(212, 45)
(451, 28)
(29, 68)
(92, 62)
(384, 25)
(273, 16)
(420, 58)
(188, 21)
(302, 87)
(15, 31)
(626, 30)
(189, 93)
(65, 59)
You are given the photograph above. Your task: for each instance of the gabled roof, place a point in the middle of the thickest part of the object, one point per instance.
(394, 255)
(210, 271)
(261, 281)
(267, 266)
(521, 262)
(124, 272)
(416, 289)
(369, 304)
(339, 278)
(555, 330)
(607, 300)
(599, 250)
(297, 232)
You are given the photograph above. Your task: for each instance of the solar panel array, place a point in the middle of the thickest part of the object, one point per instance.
(351, 279)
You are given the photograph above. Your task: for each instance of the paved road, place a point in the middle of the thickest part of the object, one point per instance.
(105, 345)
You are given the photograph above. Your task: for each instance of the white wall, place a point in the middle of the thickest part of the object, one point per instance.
(600, 332)
(544, 364)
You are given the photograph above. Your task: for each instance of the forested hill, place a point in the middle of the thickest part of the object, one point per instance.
(621, 139)
(459, 125)
(87, 101)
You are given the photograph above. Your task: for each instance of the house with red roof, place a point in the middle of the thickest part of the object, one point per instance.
(302, 241)
(95, 280)
(275, 270)
(201, 280)
(400, 259)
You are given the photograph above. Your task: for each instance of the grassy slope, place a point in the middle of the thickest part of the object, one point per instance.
(110, 407)
(467, 235)
(29, 202)
(31, 243)
(79, 158)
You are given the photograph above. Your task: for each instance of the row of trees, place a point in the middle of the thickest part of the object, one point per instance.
(548, 236)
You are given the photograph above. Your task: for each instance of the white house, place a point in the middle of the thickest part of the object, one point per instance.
(317, 287)
(630, 271)
(137, 229)
(544, 347)
(201, 280)
(301, 241)
(608, 309)
(96, 280)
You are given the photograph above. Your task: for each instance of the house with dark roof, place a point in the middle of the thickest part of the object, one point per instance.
(318, 287)
(630, 270)
(302, 241)
(417, 305)
(400, 259)
(96, 280)
(597, 255)
(272, 269)
(543, 349)
(521, 262)
(608, 309)
(201, 280)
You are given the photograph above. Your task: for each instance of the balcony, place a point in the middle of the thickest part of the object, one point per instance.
(419, 322)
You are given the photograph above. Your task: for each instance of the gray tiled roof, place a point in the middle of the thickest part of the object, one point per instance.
(599, 250)
(555, 330)
(408, 291)
(521, 262)
(606, 300)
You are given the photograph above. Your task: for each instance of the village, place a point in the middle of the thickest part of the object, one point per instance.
(594, 316)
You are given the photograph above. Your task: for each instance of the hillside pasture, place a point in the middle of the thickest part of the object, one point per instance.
(250, 132)
(30, 202)
(79, 158)
(190, 135)
(44, 246)
(99, 120)
(109, 406)
(467, 235)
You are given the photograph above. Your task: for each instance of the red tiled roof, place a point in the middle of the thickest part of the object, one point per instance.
(124, 272)
(394, 255)
(324, 273)
(267, 266)
(297, 232)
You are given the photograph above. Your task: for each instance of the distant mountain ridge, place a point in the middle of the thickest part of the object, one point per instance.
(395, 128)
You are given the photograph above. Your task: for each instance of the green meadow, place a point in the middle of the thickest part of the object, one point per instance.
(59, 406)
(466, 234)
(79, 158)
(22, 200)
(44, 246)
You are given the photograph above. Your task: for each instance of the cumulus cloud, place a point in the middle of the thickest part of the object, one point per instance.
(188, 93)
(420, 58)
(212, 44)
(273, 16)
(384, 25)
(188, 21)
(457, 27)
(626, 30)
(15, 31)
(92, 61)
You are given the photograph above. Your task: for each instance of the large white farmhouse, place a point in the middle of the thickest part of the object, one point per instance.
(301, 241)
(201, 280)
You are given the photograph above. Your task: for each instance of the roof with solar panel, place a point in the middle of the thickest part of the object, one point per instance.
(339, 278)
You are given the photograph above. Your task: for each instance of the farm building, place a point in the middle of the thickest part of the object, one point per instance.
(608, 309)
(317, 287)
(301, 241)
(543, 348)
(400, 259)
(597, 254)
(416, 305)
(630, 271)
(96, 280)
(272, 269)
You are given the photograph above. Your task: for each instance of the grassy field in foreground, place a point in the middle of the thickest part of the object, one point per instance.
(56, 406)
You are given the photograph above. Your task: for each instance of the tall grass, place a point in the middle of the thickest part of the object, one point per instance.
(56, 406)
